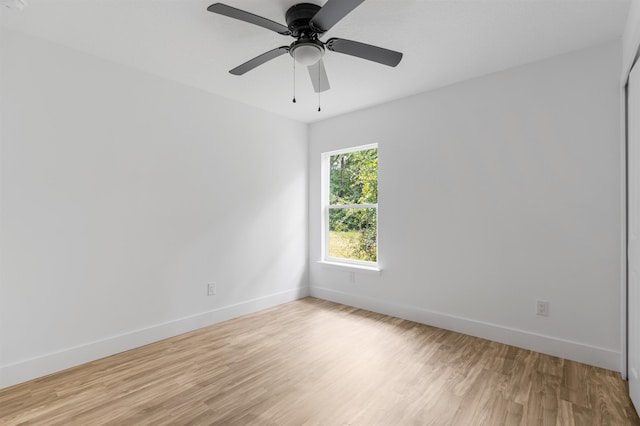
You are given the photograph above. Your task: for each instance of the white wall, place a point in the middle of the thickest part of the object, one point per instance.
(122, 195)
(494, 193)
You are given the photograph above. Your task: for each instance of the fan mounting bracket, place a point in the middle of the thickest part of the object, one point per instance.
(298, 18)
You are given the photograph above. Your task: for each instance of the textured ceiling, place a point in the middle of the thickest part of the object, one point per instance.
(443, 42)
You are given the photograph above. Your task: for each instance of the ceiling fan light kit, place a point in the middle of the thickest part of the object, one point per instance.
(307, 23)
(307, 52)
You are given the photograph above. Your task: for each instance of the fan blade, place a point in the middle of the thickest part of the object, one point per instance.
(319, 77)
(232, 12)
(332, 12)
(364, 51)
(259, 60)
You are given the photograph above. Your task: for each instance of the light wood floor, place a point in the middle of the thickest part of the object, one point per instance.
(319, 363)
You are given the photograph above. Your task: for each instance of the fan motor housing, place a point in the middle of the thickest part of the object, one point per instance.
(298, 17)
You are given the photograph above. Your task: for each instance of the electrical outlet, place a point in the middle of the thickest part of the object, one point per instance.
(211, 289)
(542, 308)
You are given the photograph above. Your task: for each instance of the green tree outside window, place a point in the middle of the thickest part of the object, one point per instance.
(353, 198)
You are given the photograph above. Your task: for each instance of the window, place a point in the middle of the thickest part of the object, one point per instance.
(350, 206)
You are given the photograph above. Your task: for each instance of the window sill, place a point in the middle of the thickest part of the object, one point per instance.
(350, 267)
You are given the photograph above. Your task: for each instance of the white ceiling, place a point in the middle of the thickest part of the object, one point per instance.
(443, 41)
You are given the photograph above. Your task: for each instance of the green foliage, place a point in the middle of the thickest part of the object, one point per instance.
(367, 243)
(343, 244)
(354, 180)
(354, 177)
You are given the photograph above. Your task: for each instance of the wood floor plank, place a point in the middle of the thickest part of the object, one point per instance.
(313, 362)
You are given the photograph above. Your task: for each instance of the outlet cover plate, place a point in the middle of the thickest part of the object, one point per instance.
(211, 289)
(542, 308)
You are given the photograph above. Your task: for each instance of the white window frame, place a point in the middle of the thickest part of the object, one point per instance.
(325, 182)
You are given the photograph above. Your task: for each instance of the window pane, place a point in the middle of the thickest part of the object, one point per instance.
(354, 177)
(353, 234)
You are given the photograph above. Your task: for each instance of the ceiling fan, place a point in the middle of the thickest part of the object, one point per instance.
(306, 23)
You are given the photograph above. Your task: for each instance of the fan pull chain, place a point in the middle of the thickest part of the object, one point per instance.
(294, 77)
(319, 88)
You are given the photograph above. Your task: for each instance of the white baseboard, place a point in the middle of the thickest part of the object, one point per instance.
(587, 354)
(29, 369)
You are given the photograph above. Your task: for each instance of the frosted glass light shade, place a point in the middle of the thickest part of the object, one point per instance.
(307, 54)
